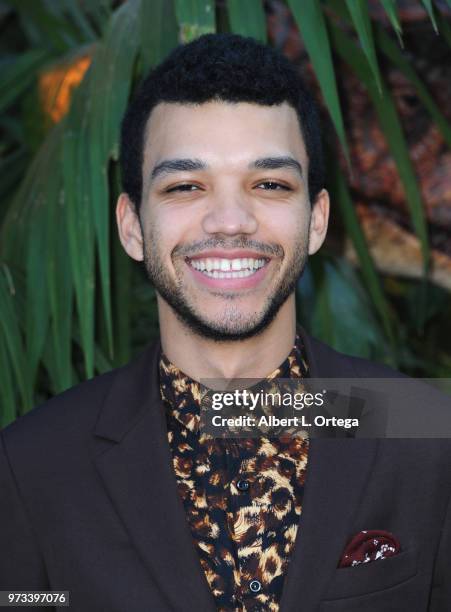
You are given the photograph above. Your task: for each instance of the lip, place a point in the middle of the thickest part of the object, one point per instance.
(247, 282)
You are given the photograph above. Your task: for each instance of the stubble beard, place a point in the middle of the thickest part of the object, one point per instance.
(232, 326)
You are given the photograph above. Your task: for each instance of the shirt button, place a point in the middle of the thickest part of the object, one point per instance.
(242, 485)
(255, 586)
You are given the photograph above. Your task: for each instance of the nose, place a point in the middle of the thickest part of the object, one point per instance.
(229, 213)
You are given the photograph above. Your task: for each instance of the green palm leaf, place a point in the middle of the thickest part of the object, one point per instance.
(80, 225)
(195, 17)
(310, 20)
(430, 10)
(392, 13)
(9, 324)
(18, 73)
(158, 30)
(360, 17)
(8, 403)
(248, 18)
(109, 84)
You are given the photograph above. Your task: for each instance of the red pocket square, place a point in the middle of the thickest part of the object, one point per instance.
(369, 546)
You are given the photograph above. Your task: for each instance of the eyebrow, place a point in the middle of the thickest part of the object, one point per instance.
(274, 163)
(169, 166)
(177, 165)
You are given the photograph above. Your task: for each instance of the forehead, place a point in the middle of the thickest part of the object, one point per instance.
(222, 133)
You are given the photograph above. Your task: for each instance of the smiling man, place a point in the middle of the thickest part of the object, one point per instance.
(112, 491)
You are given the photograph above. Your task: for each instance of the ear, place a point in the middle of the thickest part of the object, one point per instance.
(129, 228)
(319, 221)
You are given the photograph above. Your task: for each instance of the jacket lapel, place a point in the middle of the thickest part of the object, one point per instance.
(134, 461)
(336, 475)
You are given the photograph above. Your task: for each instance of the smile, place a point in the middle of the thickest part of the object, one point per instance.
(228, 268)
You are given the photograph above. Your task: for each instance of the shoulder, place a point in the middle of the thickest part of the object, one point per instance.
(64, 419)
(71, 415)
(414, 414)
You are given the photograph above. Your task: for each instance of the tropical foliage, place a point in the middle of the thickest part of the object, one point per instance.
(71, 304)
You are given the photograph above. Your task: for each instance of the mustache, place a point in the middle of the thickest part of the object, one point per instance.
(194, 248)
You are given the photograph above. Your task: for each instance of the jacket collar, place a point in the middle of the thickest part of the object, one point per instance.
(135, 385)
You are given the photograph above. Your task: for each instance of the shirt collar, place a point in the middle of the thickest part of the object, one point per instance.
(182, 395)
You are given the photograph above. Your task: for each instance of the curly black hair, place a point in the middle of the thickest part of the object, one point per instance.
(224, 67)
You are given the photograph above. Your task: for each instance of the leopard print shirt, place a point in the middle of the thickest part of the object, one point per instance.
(242, 497)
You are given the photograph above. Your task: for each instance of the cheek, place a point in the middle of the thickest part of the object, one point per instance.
(286, 227)
(173, 227)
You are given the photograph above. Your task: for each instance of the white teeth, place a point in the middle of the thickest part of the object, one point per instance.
(227, 268)
(225, 265)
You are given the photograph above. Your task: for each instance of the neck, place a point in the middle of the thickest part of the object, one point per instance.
(200, 357)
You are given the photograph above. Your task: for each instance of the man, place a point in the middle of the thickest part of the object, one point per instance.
(111, 490)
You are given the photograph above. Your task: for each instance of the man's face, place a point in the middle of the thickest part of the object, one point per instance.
(225, 213)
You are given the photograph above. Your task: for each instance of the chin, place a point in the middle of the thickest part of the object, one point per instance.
(221, 328)
(227, 334)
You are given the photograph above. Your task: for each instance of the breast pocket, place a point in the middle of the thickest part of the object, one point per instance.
(384, 583)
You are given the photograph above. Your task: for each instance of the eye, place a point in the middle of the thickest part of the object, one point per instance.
(183, 187)
(273, 186)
